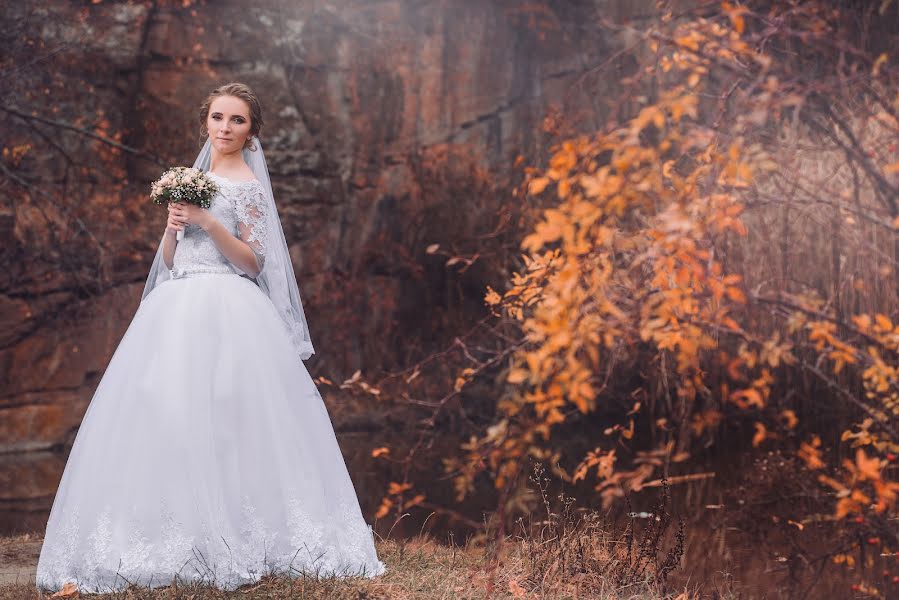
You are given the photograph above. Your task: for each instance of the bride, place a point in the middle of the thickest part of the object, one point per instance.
(207, 454)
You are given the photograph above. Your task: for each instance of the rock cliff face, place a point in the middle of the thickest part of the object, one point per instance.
(363, 102)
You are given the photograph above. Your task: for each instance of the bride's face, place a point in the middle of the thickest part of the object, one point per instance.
(228, 123)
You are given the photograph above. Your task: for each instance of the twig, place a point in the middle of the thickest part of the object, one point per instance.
(679, 479)
(85, 132)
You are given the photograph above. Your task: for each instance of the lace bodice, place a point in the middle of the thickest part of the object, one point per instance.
(239, 206)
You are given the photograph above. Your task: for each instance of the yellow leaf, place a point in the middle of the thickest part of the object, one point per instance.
(730, 323)
(384, 508)
(736, 294)
(839, 559)
(667, 168)
(580, 472)
(414, 501)
(883, 322)
(517, 376)
(536, 186)
(810, 454)
(382, 451)
(863, 322)
(844, 507)
(564, 188)
(875, 70)
(554, 416)
(397, 488)
(688, 41)
(658, 119)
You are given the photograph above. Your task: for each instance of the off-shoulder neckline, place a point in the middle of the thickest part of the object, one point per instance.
(228, 179)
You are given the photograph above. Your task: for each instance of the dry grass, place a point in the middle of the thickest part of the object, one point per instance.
(417, 568)
(559, 552)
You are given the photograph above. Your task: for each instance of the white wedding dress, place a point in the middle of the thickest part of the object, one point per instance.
(206, 453)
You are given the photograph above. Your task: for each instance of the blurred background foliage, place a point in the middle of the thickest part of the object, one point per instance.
(639, 247)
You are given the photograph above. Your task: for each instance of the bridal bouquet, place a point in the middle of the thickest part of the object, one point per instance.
(183, 184)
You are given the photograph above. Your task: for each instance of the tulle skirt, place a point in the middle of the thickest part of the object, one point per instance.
(206, 454)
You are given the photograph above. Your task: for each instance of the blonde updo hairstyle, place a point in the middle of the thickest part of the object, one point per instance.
(238, 90)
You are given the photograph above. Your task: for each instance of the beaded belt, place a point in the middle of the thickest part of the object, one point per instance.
(178, 273)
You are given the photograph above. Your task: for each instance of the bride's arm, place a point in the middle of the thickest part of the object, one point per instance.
(247, 250)
(234, 249)
(168, 248)
(170, 241)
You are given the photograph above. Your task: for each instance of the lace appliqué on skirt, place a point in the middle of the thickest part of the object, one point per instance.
(341, 546)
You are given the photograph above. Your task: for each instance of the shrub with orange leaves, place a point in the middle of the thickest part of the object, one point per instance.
(629, 294)
(621, 269)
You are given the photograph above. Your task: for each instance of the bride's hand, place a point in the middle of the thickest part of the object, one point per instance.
(190, 214)
(174, 224)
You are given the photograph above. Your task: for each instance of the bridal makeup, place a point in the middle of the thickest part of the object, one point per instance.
(228, 124)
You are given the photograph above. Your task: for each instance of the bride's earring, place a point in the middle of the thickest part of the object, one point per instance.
(252, 146)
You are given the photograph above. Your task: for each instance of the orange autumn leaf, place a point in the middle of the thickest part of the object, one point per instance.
(867, 468)
(492, 298)
(760, 434)
(845, 506)
(790, 418)
(536, 186)
(736, 294)
(69, 590)
(863, 322)
(887, 493)
(517, 376)
(833, 483)
(395, 488)
(811, 454)
(415, 501)
(747, 398)
(384, 508)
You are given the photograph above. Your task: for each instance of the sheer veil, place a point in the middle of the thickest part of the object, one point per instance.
(277, 278)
